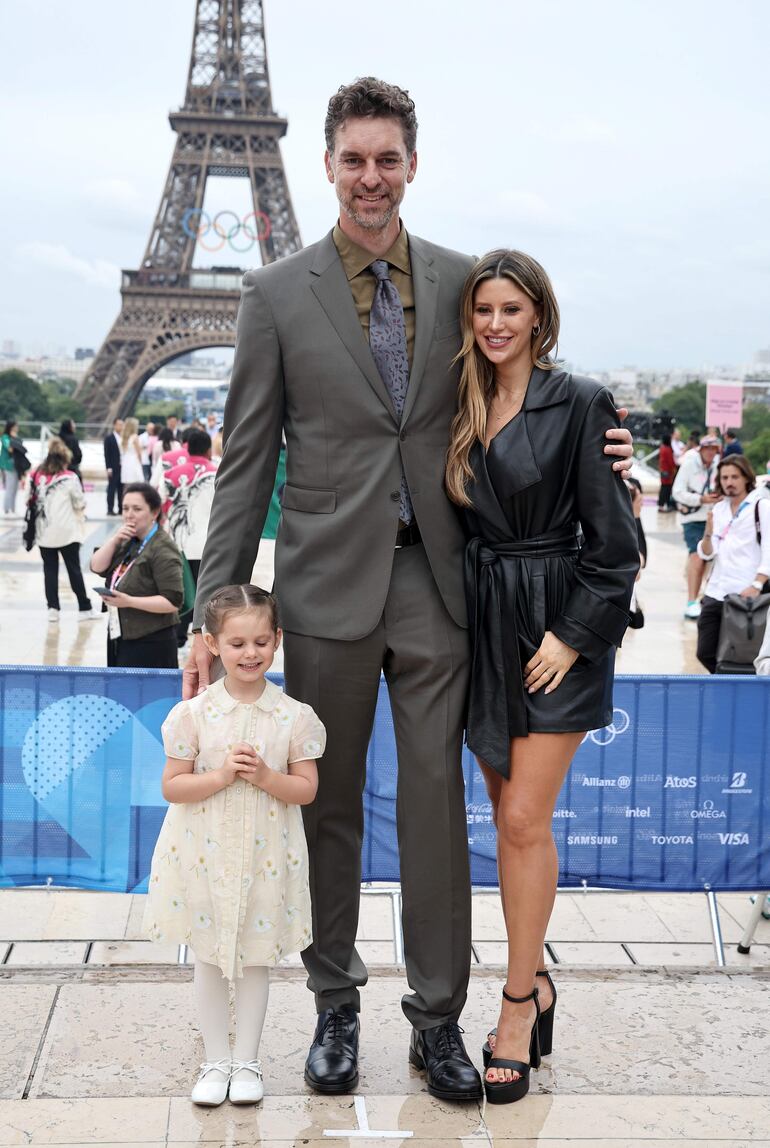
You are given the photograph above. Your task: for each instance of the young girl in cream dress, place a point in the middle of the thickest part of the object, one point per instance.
(229, 873)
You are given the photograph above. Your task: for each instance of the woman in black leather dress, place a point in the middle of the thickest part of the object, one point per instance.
(550, 567)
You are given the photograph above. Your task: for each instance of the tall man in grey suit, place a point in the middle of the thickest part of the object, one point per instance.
(347, 348)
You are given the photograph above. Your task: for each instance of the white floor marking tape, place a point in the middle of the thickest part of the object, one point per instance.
(364, 1132)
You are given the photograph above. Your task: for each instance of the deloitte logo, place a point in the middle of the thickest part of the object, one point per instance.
(738, 784)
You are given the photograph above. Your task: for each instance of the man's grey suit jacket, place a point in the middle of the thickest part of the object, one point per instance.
(303, 366)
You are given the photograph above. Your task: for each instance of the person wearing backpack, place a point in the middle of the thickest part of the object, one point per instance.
(737, 541)
(59, 527)
(693, 496)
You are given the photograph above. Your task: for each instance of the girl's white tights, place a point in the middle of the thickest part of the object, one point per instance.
(212, 999)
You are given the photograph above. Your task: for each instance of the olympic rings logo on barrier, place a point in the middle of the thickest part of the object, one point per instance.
(605, 736)
(226, 227)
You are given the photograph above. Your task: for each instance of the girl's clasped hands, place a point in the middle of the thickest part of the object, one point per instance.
(244, 761)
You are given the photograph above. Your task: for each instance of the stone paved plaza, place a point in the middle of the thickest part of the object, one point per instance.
(654, 1045)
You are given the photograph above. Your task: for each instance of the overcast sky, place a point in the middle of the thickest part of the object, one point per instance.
(623, 143)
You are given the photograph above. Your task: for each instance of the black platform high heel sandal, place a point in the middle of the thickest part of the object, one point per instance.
(545, 1020)
(506, 1091)
(544, 1023)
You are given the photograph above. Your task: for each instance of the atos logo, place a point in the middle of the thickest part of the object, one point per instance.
(673, 782)
(733, 838)
(738, 784)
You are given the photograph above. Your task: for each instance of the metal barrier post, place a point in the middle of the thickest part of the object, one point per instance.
(744, 945)
(398, 932)
(716, 928)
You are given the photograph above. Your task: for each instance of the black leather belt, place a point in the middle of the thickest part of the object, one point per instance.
(407, 535)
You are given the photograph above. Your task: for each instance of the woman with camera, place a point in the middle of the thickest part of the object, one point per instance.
(143, 574)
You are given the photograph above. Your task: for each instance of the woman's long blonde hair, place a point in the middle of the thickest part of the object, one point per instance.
(477, 378)
(130, 427)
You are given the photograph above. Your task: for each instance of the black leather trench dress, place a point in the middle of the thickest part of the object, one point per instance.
(552, 546)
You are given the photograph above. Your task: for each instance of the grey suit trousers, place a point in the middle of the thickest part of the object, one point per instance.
(424, 656)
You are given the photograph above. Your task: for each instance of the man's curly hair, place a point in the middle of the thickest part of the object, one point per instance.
(368, 96)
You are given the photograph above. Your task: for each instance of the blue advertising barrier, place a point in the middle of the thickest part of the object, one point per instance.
(673, 795)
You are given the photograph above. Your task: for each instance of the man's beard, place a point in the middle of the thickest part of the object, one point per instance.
(370, 221)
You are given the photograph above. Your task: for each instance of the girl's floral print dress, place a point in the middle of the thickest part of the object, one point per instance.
(230, 874)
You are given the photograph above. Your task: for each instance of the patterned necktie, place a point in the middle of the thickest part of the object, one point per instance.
(387, 340)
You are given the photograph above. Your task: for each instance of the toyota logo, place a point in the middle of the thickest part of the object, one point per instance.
(620, 723)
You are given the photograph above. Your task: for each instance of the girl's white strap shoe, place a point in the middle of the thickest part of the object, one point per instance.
(210, 1090)
(248, 1091)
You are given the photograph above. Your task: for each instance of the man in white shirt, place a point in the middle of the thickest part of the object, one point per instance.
(147, 440)
(693, 498)
(737, 541)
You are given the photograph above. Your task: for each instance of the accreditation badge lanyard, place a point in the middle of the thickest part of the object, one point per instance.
(119, 573)
(742, 506)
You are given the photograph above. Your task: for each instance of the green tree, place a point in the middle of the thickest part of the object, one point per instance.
(157, 411)
(687, 404)
(758, 451)
(61, 404)
(21, 397)
(756, 419)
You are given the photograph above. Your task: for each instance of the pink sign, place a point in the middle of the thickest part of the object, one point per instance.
(724, 404)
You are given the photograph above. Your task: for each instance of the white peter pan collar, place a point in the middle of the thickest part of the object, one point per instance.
(217, 694)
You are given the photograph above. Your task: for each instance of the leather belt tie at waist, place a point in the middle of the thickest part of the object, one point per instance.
(407, 535)
(498, 708)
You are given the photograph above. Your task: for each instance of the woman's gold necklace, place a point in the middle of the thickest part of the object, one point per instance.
(519, 397)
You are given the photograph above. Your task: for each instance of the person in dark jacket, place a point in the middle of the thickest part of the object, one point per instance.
(142, 568)
(112, 464)
(732, 444)
(551, 559)
(69, 437)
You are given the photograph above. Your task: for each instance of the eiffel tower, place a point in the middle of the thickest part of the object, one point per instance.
(227, 127)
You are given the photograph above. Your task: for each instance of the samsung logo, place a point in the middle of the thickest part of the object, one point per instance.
(591, 839)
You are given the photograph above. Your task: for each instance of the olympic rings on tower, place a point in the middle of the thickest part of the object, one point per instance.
(253, 227)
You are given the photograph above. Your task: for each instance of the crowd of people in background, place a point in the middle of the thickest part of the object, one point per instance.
(705, 480)
(725, 522)
(160, 482)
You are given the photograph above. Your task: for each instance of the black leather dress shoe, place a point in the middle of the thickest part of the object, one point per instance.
(332, 1063)
(441, 1052)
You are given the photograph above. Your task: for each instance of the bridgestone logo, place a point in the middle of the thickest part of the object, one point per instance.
(591, 839)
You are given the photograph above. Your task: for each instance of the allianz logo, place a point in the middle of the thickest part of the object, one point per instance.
(707, 811)
(623, 782)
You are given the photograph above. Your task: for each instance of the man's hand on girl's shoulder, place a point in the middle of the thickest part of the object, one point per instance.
(196, 675)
